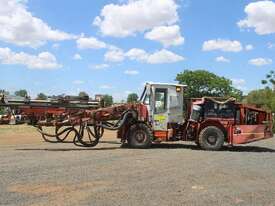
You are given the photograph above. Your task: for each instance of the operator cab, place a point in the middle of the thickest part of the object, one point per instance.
(164, 102)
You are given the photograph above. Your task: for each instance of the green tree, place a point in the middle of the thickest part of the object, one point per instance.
(2, 110)
(83, 94)
(202, 83)
(107, 100)
(3, 92)
(132, 98)
(21, 93)
(264, 98)
(270, 80)
(41, 96)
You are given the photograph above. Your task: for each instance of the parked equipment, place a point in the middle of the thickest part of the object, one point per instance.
(162, 114)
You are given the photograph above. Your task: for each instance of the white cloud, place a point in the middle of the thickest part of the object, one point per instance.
(114, 55)
(131, 72)
(164, 56)
(158, 57)
(22, 1)
(222, 59)
(77, 57)
(121, 20)
(239, 83)
(105, 86)
(100, 66)
(167, 35)
(260, 16)
(249, 47)
(223, 45)
(90, 43)
(43, 60)
(260, 61)
(270, 45)
(137, 54)
(18, 26)
(78, 82)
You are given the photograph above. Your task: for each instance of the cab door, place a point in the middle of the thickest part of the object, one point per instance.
(175, 104)
(160, 114)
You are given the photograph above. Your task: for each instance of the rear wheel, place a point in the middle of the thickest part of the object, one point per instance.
(211, 138)
(140, 136)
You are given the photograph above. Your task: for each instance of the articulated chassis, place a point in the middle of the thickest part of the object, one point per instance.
(86, 122)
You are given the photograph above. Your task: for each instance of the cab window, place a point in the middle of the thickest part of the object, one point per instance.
(160, 100)
(251, 117)
(146, 99)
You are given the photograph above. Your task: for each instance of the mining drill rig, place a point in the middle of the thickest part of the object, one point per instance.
(162, 114)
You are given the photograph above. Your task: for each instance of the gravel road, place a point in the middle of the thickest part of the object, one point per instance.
(168, 174)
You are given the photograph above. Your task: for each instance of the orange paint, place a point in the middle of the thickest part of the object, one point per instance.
(162, 135)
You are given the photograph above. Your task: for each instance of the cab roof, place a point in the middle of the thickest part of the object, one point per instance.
(165, 84)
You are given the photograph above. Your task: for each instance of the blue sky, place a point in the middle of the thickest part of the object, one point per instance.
(113, 47)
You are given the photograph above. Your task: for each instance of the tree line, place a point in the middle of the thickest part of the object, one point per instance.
(201, 83)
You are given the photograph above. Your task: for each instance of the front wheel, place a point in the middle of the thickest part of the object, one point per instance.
(140, 136)
(211, 138)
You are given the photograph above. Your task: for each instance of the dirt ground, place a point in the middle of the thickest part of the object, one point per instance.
(33, 172)
(16, 135)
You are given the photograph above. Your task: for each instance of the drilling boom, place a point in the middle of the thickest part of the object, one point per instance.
(71, 115)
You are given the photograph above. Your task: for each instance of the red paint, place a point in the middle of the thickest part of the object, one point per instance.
(250, 133)
(237, 131)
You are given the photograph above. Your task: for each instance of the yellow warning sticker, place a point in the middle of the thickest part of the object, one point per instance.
(160, 118)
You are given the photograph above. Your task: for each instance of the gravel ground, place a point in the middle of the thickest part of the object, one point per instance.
(168, 174)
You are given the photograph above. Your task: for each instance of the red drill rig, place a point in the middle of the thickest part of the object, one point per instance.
(162, 114)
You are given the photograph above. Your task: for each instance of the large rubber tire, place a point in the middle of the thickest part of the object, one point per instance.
(140, 136)
(211, 138)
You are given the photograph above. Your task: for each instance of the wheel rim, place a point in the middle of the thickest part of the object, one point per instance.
(212, 139)
(140, 136)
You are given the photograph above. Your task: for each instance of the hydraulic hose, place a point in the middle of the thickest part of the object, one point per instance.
(120, 122)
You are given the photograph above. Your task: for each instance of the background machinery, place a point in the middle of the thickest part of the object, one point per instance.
(162, 114)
